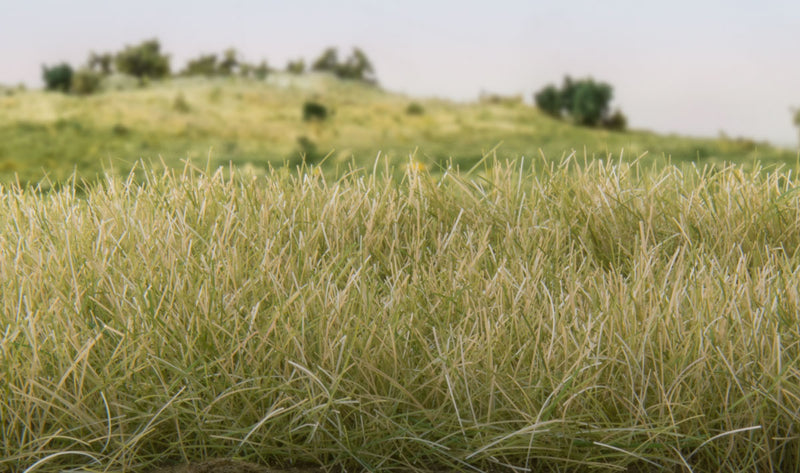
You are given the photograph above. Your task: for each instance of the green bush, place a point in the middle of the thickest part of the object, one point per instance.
(590, 102)
(356, 67)
(85, 81)
(616, 122)
(229, 62)
(549, 100)
(314, 111)
(584, 100)
(415, 108)
(58, 77)
(327, 62)
(143, 61)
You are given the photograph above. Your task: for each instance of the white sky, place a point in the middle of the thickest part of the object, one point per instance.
(693, 67)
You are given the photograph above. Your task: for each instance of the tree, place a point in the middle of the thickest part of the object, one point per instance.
(357, 67)
(100, 63)
(204, 65)
(229, 62)
(327, 62)
(568, 89)
(58, 77)
(584, 100)
(590, 102)
(549, 101)
(296, 67)
(616, 122)
(143, 61)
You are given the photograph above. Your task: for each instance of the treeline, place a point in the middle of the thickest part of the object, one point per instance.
(146, 61)
(584, 102)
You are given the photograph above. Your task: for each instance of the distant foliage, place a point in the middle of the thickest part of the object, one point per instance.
(58, 77)
(616, 122)
(314, 111)
(584, 101)
(261, 71)
(85, 81)
(590, 102)
(415, 108)
(144, 61)
(101, 63)
(327, 62)
(296, 67)
(549, 100)
(229, 63)
(356, 67)
(204, 65)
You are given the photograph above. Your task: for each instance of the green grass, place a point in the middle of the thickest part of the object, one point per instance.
(583, 317)
(260, 124)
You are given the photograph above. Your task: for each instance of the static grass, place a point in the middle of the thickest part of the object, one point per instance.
(261, 124)
(582, 317)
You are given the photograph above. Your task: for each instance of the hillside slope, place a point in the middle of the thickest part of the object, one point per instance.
(260, 123)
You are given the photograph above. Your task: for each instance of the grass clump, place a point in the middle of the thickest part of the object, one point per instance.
(581, 317)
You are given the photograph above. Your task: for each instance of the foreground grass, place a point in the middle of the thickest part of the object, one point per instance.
(583, 317)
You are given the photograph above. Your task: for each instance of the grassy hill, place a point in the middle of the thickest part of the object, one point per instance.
(254, 123)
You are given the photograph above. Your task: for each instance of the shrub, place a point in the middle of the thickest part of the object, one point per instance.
(143, 61)
(58, 77)
(616, 122)
(585, 101)
(120, 130)
(590, 102)
(415, 108)
(85, 81)
(314, 111)
(327, 62)
(549, 100)
(356, 67)
(229, 62)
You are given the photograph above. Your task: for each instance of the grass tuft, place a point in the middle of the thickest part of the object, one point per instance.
(579, 317)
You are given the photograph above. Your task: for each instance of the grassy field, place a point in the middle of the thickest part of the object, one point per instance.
(258, 124)
(583, 317)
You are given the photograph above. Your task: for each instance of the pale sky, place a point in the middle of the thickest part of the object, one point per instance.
(693, 67)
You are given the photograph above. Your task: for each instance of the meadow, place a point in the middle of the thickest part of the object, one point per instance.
(258, 124)
(417, 300)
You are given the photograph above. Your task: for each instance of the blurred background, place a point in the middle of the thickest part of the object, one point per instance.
(719, 70)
